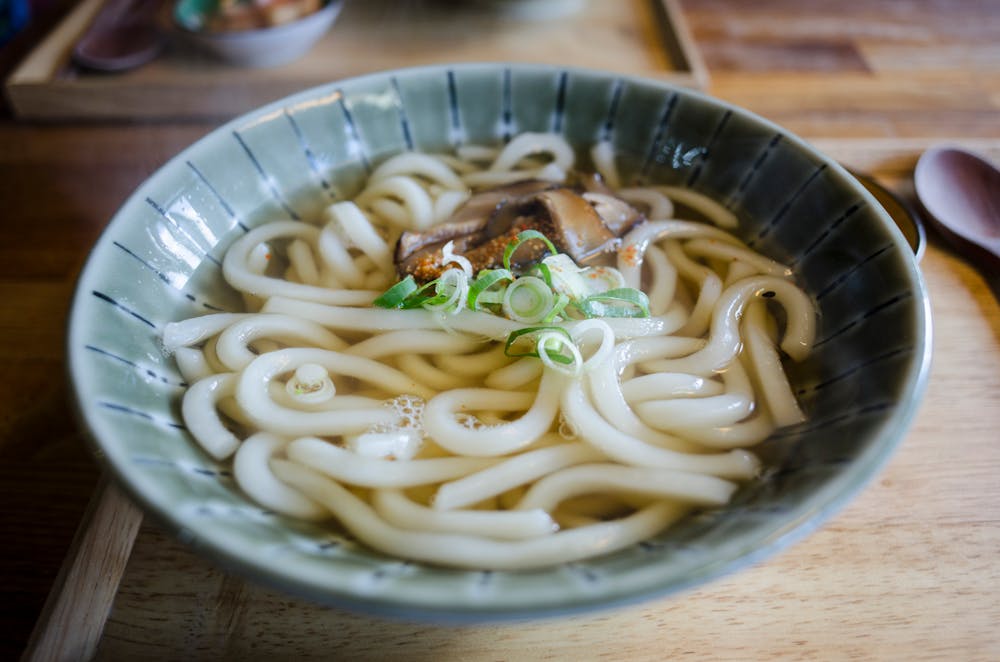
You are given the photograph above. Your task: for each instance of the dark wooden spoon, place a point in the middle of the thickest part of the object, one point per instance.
(961, 193)
(124, 35)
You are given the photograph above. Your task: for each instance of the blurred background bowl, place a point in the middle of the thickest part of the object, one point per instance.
(254, 47)
(158, 261)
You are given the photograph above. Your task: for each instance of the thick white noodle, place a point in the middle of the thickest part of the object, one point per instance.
(772, 382)
(474, 365)
(233, 350)
(663, 281)
(518, 470)
(709, 288)
(418, 367)
(656, 203)
(603, 156)
(696, 488)
(724, 338)
(477, 552)
(744, 434)
(196, 330)
(406, 190)
(477, 154)
(530, 144)
(241, 277)
(279, 394)
(713, 411)
(417, 165)
(338, 259)
(354, 469)
(303, 262)
(625, 448)
(515, 375)
(252, 392)
(359, 232)
(391, 211)
(634, 244)
(468, 321)
(703, 204)
(446, 204)
(199, 409)
(252, 472)
(442, 425)
(192, 364)
(713, 248)
(416, 341)
(399, 511)
(667, 385)
(611, 403)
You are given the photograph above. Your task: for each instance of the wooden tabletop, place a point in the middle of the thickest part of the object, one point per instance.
(910, 570)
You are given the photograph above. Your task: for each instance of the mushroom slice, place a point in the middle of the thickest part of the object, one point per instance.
(579, 230)
(618, 215)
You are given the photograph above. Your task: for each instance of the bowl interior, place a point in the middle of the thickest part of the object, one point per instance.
(158, 261)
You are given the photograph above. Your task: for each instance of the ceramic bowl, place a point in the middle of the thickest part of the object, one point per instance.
(265, 47)
(158, 261)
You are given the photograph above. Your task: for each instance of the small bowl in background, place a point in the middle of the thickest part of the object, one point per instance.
(261, 47)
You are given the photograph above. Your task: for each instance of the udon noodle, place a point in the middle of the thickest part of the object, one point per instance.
(416, 430)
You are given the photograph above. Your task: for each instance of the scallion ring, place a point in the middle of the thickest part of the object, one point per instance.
(487, 279)
(397, 294)
(528, 300)
(619, 302)
(523, 236)
(547, 347)
(452, 292)
(523, 336)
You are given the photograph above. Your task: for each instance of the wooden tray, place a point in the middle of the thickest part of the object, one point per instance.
(645, 37)
(127, 590)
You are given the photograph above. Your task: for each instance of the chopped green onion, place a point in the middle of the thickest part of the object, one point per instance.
(527, 299)
(486, 279)
(619, 302)
(546, 273)
(523, 236)
(573, 366)
(397, 294)
(509, 349)
(420, 296)
(561, 301)
(452, 291)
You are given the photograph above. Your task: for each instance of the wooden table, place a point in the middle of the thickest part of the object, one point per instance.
(910, 570)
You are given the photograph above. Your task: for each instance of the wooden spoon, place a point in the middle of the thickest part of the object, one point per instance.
(124, 35)
(961, 192)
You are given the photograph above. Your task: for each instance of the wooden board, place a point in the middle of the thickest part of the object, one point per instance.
(870, 585)
(647, 37)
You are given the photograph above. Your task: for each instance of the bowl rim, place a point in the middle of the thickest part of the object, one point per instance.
(802, 520)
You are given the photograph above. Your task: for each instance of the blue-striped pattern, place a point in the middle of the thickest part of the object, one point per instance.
(792, 203)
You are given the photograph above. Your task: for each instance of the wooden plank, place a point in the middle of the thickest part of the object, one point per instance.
(73, 618)
(634, 36)
(869, 585)
(51, 56)
(875, 563)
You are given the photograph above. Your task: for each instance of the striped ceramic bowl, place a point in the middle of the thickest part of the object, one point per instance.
(158, 261)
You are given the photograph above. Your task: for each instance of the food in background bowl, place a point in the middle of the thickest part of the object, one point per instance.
(234, 15)
(163, 260)
(255, 33)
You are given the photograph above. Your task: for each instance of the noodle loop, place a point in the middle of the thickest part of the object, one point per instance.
(514, 418)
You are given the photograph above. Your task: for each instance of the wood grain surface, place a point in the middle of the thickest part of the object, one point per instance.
(631, 36)
(909, 570)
